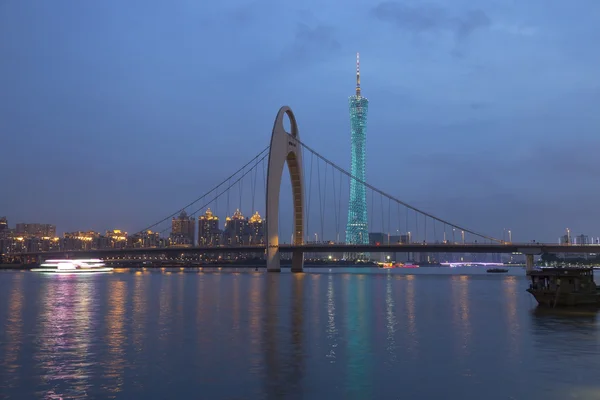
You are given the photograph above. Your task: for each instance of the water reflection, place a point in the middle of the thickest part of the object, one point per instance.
(67, 327)
(358, 349)
(134, 337)
(140, 309)
(316, 305)
(272, 374)
(565, 332)
(460, 304)
(14, 331)
(392, 321)
(510, 286)
(295, 365)
(332, 332)
(255, 314)
(236, 303)
(115, 322)
(411, 323)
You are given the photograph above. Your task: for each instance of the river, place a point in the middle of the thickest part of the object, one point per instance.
(427, 333)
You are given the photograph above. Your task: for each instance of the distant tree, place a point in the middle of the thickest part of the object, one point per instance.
(547, 257)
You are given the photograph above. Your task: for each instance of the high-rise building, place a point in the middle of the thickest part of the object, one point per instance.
(38, 230)
(236, 229)
(356, 229)
(81, 240)
(144, 239)
(3, 225)
(117, 239)
(183, 229)
(209, 233)
(256, 229)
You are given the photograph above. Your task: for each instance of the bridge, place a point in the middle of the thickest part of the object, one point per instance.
(413, 230)
(506, 248)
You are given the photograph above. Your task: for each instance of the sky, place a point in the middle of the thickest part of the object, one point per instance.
(117, 113)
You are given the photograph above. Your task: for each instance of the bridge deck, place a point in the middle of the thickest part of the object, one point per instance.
(526, 248)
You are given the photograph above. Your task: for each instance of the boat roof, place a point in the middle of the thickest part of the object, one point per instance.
(567, 271)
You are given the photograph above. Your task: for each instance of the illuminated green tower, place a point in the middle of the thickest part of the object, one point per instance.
(356, 229)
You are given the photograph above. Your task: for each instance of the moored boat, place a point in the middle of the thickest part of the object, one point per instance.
(564, 287)
(496, 270)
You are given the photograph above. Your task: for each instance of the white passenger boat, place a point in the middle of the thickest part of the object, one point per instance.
(90, 266)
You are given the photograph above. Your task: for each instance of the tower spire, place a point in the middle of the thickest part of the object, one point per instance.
(357, 75)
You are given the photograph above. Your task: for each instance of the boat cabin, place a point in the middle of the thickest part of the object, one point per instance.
(566, 280)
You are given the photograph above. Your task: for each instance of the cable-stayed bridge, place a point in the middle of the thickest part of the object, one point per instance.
(319, 199)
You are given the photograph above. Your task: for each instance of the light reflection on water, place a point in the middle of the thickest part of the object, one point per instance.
(363, 334)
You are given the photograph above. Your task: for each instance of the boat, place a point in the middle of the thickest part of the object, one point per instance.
(408, 266)
(496, 270)
(88, 266)
(564, 287)
(387, 265)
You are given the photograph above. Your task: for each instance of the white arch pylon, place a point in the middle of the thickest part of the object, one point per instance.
(284, 148)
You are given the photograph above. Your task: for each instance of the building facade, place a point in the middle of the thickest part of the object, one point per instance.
(256, 229)
(182, 230)
(37, 230)
(209, 233)
(236, 229)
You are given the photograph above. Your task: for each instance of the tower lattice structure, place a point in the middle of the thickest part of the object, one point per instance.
(357, 229)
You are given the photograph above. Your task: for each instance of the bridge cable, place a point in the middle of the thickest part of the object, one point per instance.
(335, 209)
(409, 238)
(207, 193)
(399, 222)
(340, 205)
(253, 179)
(323, 208)
(231, 185)
(305, 193)
(394, 198)
(264, 182)
(216, 197)
(417, 227)
(309, 198)
(228, 208)
(382, 217)
(372, 216)
(389, 219)
(240, 189)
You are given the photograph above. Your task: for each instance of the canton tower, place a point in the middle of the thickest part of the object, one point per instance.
(356, 230)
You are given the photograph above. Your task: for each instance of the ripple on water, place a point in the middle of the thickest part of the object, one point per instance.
(321, 335)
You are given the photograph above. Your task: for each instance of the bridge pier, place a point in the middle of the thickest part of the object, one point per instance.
(297, 261)
(273, 259)
(529, 265)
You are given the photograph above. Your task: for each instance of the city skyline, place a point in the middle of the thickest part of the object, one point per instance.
(470, 126)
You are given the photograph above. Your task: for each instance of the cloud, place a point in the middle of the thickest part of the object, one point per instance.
(517, 30)
(311, 43)
(431, 18)
(470, 22)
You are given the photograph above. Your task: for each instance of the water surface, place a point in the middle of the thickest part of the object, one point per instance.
(430, 333)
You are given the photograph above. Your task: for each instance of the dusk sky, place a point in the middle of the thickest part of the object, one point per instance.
(116, 113)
